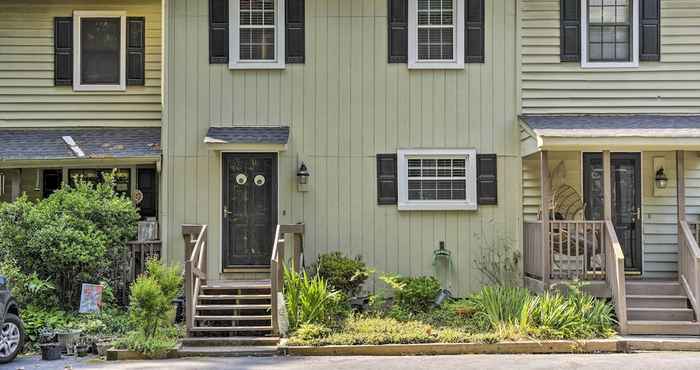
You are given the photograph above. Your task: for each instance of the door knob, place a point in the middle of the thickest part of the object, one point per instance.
(226, 212)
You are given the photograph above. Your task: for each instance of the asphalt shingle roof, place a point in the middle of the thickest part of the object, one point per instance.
(248, 135)
(614, 126)
(45, 144)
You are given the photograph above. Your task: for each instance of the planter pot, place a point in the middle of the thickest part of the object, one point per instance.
(102, 347)
(51, 351)
(81, 351)
(68, 339)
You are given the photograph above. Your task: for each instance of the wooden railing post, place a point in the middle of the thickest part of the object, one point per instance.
(189, 296)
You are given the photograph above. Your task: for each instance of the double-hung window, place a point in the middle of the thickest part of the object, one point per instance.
(437, 179)
(99, 58)
(609, 33)
(436, 34)
(257, 34)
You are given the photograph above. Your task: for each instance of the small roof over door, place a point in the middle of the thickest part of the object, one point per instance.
(593, 132)
(248, 138)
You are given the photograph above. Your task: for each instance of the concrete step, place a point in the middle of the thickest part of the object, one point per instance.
(231, 297)
(660, 314)
(232, 328)
(212, 307)
(232, 318)
(642, 327)
(227, 351)
(645, 287)
(229, 341)
(657, 301)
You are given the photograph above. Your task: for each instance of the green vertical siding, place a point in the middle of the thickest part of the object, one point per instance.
(345, 105)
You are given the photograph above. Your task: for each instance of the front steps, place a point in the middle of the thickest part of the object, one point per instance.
(231, 318)
(659, 308)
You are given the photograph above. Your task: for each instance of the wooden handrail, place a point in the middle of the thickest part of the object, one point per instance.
(284, 236)
(615, 274)
(195, 268)
(689, 264)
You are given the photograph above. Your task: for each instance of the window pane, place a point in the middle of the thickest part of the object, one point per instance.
(100, 40)
(608, 35)
(257, 30)
(436, 179)
(435, 43)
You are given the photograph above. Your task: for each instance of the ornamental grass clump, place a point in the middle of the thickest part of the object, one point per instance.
(309, 300)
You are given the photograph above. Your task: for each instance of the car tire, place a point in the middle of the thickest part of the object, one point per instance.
(12, 322)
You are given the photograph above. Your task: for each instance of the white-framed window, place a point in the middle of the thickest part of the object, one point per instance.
(257, 34)
(609, 33)
(99, 55)
(436, 34)
(437, 179)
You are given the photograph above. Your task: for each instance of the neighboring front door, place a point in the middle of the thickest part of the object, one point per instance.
(249, 209)
(626, 200)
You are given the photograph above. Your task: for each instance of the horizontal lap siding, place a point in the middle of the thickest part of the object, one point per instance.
(28, 97)
(669, 86)
(345, 105)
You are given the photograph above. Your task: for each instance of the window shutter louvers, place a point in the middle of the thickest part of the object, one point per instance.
(398, 31)
(136, 51)
(650, 30)
(486, 179)
(295, 46)
(387, 183)
(63, 51)
(474, 31)
(570, 33)
(218, 31)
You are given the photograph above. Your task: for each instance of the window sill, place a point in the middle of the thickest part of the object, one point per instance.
(256, 65)
(78, 87)
(609, 65)
(432, 65)
(437, 206)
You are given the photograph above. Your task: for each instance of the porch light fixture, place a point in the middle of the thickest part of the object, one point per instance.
(303, 177)
(661, 179)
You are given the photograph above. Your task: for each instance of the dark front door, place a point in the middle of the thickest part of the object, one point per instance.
(626, 200)
(249, 211)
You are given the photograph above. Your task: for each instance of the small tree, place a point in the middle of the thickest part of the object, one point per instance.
(152, 295)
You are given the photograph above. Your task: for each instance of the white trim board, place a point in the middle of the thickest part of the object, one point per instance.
(77, 83)
(634, 61)
(234, 41)
(458, 40)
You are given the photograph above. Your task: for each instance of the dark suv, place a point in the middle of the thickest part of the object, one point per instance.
(11, 328)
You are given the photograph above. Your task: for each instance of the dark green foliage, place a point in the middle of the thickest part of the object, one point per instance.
(414, 293)
(76, 235)
(151, 298)
(310, 300)
(28, 289)
(342, 273)
(156, 346)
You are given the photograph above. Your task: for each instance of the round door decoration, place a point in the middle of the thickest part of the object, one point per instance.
(241, 179)
(259, 180)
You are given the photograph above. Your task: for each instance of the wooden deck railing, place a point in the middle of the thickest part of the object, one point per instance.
(615, 274)
(195, 267)
(285, 235)
(689, 263)
(138, 253)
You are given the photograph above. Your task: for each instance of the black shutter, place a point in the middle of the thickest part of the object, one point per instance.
(63, 51)
(486, 182)
(398, 31)
(650, 30)
(474, 32)
(387, 183)
(570, 34)
(295, 44)
(218, 31)
(135, 50)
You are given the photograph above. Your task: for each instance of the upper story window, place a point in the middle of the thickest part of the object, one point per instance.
(257, 34)
(437, 179)
(609, 33)
(99, 58)
(436, 34)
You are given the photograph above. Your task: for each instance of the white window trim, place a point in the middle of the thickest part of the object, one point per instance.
(77, 83)
(234, 41)
(634, 63)
(469, 204)
(458, 53)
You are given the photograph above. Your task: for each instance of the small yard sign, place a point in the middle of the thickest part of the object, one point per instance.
(90, 298)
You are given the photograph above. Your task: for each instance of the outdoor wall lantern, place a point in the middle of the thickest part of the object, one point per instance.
(661, 179)
(303, 177)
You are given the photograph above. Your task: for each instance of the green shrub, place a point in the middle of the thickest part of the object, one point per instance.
(76, 235)
(414, 293)
(37, 318)
(309, 300)
(151, 298)
(28, 289)
(500, 305)
(156, 346)
(342, 273)
(308, 332)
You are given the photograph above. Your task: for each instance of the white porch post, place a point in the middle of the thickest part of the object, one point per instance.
(607, 187)
(545, 189)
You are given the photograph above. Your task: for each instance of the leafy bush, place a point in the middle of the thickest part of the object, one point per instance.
(78, 234)
(309, 300)
(414, 293)
(151, 298)
(500, 305)
(156, 346)
(37, 318)
(342, 273)
(28, 289)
